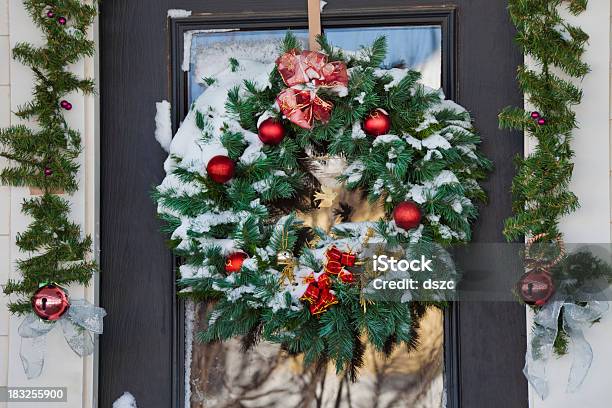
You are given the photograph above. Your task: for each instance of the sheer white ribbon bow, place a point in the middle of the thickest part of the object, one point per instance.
(80, 321)
(540, 348)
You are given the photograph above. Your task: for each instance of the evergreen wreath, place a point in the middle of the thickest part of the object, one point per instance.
(240, 175)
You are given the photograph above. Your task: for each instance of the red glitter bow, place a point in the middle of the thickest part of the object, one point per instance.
(300, 103)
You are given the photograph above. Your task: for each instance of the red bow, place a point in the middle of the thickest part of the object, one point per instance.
(300, 103)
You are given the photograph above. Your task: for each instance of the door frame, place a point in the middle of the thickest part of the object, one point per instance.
(458, 320)
(444, 17)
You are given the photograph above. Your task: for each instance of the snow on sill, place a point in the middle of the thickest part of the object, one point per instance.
(178, 13)
(127, 400)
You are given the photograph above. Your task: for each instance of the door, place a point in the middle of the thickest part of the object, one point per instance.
(142, 348)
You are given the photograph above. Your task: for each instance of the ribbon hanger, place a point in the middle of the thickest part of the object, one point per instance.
(314, 24)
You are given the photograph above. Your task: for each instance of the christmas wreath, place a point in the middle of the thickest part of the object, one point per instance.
(270, 149)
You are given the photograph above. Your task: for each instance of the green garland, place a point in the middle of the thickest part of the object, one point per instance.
(45, 156)
(541, 186)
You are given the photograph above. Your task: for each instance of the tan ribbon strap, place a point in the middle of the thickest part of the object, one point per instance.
(314, 24)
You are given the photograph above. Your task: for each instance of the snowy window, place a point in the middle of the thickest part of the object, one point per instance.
(413, 47)
(207, 52)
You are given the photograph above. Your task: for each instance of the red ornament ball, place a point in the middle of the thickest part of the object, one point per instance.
(407, 215)
(536, 287)
(65, 104)
(62, 20)
(221, 169)
(48, 172)
(50, 14)
(377, 123)
(541, 121)
(271, 131)
(50, 302)
(535, 115)
(234, 262)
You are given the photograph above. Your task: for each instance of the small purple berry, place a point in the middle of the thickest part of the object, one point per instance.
(48, 171)
(541, 121)
(68, 106)
(63, 103)
(535, 115)
(62, 20)
(50, 14)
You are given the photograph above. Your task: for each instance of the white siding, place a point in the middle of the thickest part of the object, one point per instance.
(5, 192)
(591, 223)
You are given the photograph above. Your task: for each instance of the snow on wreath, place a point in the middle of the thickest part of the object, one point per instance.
(285, 171)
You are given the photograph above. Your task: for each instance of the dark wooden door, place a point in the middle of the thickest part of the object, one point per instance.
(141, 350)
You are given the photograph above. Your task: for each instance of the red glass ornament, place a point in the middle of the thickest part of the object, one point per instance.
(407, 215)
(541, 121)
(50, 302)
(535, 115)
(62, 20)
(221, 169)
(50, 14)
(66, 105)
(233, 263)
(536, 287)
(377, 123)
(48, 172)
(271, 131)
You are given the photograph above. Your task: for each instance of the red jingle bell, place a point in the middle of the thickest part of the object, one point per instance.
(50, 302)
(271, 131)
(221, 169)
(233, 263)
(377, 123)
(407, 215)
(536, 287)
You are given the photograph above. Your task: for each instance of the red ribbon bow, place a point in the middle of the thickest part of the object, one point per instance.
(300, 103)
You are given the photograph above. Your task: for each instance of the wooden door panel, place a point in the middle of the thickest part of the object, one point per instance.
(140, 351)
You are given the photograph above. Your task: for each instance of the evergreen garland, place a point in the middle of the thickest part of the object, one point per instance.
(541, 186)
(430, 156)
(45, 156)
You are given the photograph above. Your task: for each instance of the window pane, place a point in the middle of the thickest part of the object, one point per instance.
(221, 374)
(414, 47)
(209, 52)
